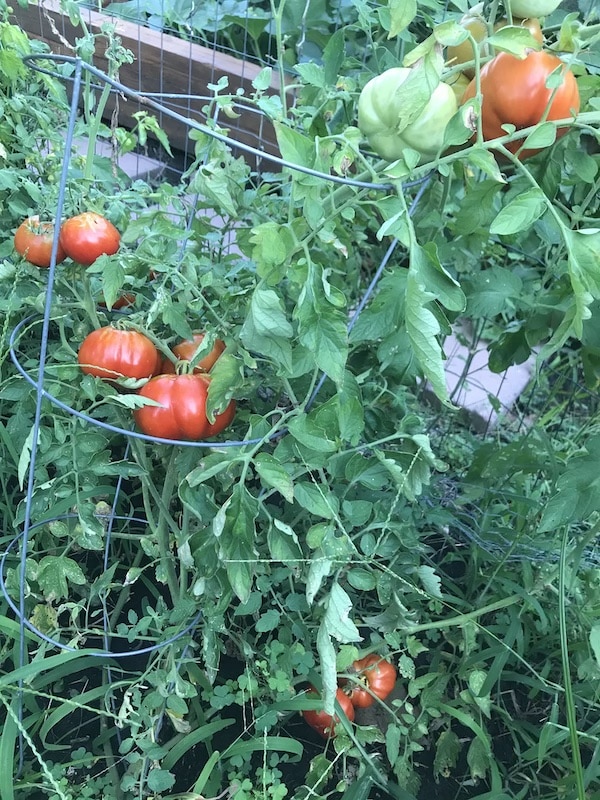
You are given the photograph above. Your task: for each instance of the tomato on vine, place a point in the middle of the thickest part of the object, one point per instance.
(382, 110)
(323, 723)
(186, 350)
(532, 8)
(376, 678)
(181, 410)
(87, 236)
(33, 240)
(514, 92)
(112, 353)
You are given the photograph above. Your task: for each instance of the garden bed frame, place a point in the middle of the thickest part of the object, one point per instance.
(164, 64)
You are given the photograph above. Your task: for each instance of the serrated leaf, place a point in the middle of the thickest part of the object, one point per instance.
(544, 135)
(519, 214)
(514, 39)
(294, 146)
(431, 581)
(491, 292)
(268, 621)
(484, 160)
(326, 652)
(308, 433)
(337, 616)
(283, 543)
(54, 575)
(234, 525)
(267, 330)
(584, 271)
(322, 326)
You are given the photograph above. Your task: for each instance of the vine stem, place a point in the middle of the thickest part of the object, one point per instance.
(566, 668)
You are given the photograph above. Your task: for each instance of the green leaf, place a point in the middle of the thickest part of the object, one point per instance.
(577, 490)
(478, 759)
(268, 621)
(54, 575)
(351, 418)
(283, 543)
(234, 525)
(477, 208)
(294, 146)
(159, 780)
(263, 80)
(317, 499)
(515, 39)
(306, 431)
(326, 652)
(272, 245)
(482, 159)
(493, 291)
(274, 475)
(544, 135)
(428, 281)
(595, 641)
(431, 580)
(447, 750)
(267, 330)
(322, 326)
(312, 74)
(337, 616)
(402, 13)
(333, 57)
(584, 271)
(520, 214)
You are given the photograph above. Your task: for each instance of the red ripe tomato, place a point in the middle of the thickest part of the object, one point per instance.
(87, 236)
(377, 679)
(324, 723)
(33, 241)
(186, 350)
(514, 92)
(125, 300)
(112, 353)
(182, 410)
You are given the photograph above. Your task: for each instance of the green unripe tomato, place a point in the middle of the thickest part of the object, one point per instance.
(533, 8)
(382, 116)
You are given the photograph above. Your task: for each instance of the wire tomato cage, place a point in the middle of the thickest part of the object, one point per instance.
(48, 64)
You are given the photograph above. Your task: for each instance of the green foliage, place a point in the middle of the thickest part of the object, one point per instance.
(349, 512)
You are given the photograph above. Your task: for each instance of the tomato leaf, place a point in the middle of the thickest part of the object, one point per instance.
(514, 39)
(447, 749)
(234, 526)
(54, 575)
(426, 282)
(322, 326)
(584, 271)
(544, 135)
(519, 214)
(267, 330)
(401, 14)
(274, 475)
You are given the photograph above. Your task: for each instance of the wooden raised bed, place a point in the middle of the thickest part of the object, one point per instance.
(163, 64)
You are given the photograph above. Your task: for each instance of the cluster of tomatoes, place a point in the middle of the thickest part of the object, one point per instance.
(515, 90)
(82, 238)
(374, 678)
(178, 400)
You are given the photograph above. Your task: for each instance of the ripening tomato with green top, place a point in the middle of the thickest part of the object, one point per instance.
(514, 91)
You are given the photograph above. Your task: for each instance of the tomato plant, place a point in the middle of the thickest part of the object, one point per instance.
(377, 678)
(514, 92)
(33, 241)
(325, 723)
(186, 350)
(533, 8)
(381, 112)
(181, 413)
(477, 26)
(87, 236)
(112, 353)
(125, 300)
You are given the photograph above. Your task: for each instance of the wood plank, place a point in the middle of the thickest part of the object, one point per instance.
(163, 64)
